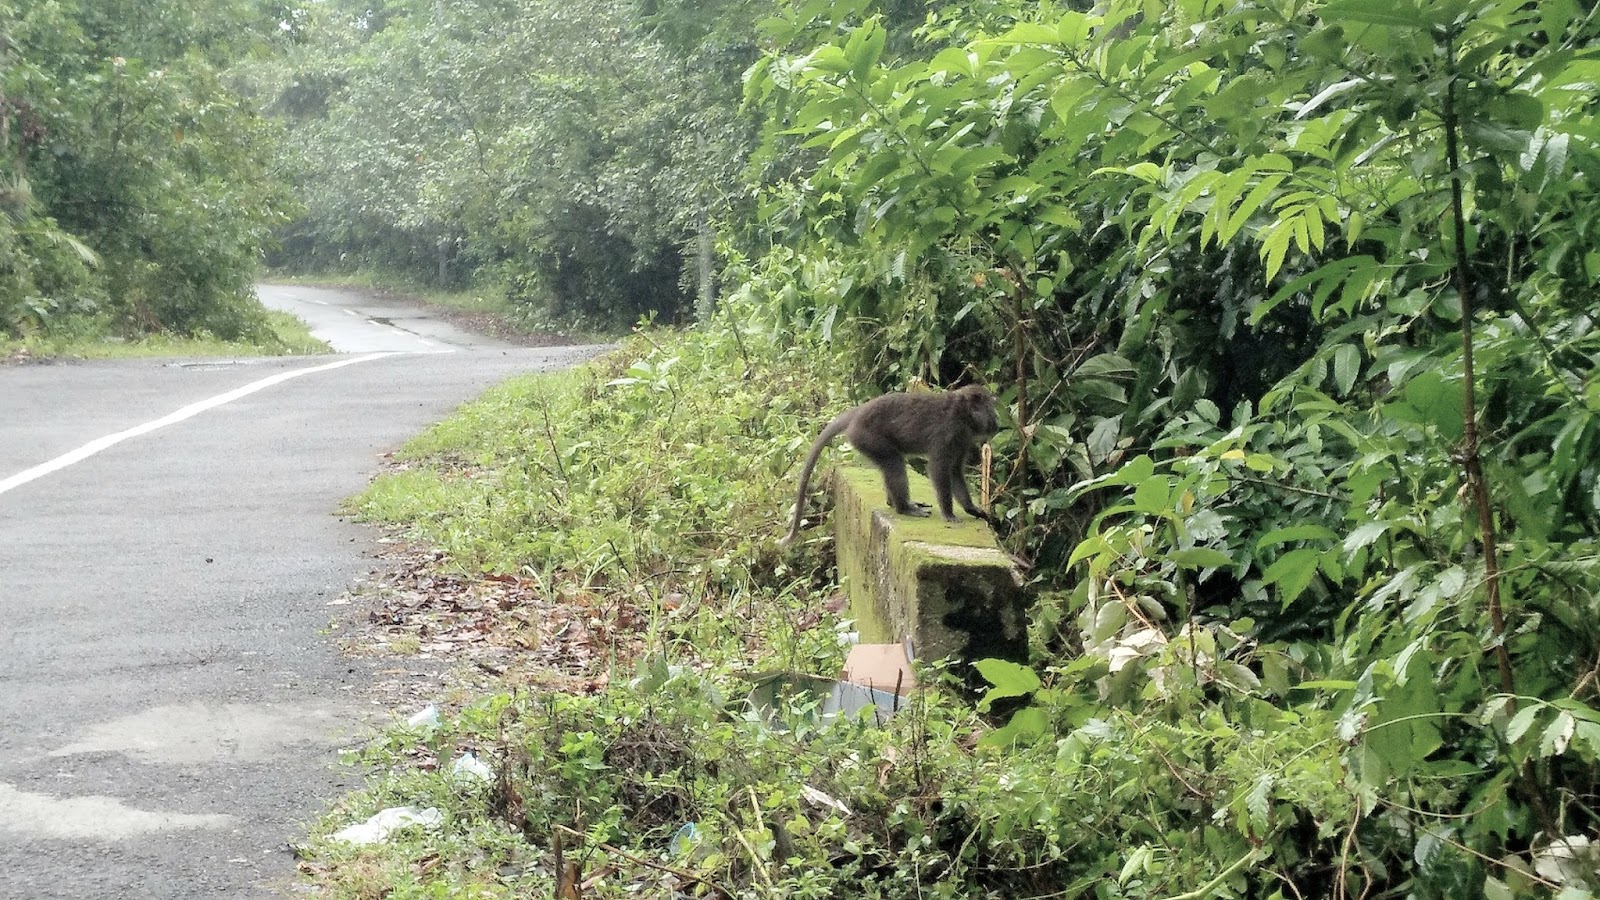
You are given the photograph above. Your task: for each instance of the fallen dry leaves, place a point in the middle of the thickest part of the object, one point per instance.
(511, 628)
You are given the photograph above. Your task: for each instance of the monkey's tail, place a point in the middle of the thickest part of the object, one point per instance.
(839, 423)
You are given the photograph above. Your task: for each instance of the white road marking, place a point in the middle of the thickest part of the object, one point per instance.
(190, 411)
(351, 312)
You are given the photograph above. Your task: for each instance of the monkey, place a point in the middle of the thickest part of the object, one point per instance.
(946, 428)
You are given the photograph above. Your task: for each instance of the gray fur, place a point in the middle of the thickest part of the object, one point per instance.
(946, 428)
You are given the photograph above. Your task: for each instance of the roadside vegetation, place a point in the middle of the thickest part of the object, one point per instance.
(615, 528)
(1291, 307)
(92, 338)
(136, 182)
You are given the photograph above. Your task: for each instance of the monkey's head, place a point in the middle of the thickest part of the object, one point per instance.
(978, 404)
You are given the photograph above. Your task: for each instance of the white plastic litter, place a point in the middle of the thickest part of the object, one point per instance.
(682, 840)
(377, 829)
(427, 717)
(822, 799)
(470, 768)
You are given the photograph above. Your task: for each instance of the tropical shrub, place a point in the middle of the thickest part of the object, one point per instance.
(1296, 336)
(140, 181)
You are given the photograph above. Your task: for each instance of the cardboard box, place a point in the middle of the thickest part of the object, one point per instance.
(883, 667)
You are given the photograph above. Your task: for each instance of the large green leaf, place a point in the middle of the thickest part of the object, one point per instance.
(1398, 13)
(1403, 730)
(1293, 572)
(1431, 399)
(1006, 679)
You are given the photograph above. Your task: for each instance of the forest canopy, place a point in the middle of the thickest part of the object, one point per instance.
(137, 186)
(577, 158)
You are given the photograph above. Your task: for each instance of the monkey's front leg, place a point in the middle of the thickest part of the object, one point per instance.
(939, 472)
(959, 483)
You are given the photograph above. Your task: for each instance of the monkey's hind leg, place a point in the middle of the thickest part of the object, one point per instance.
(895, 485)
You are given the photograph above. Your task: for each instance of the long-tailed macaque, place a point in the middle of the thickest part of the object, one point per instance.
(946, 428)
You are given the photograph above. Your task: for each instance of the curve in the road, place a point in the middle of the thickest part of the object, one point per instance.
(194, 409)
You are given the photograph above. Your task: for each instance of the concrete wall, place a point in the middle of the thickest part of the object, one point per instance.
(948, 588)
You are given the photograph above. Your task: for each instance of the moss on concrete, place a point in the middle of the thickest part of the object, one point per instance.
(947, 587)
(864, 480)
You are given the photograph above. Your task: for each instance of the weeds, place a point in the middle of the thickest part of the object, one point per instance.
(612, 531)
(89, 338)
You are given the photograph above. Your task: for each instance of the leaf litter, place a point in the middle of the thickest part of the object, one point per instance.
(495, 628)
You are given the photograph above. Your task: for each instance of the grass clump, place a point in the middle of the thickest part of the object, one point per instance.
(93, 338)
(660, 473)
(627, 512)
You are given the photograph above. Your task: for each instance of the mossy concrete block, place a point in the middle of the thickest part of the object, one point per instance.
(947, 587)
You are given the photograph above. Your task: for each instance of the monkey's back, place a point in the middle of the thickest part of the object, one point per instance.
(901, 423)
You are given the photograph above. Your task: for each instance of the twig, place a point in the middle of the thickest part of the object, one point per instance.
(1167, 761)
(1209, 888)
(1483, 857)
(1290, 487)
(1470, 458)
(1132, 606)
(755, 859)
(1289, 882)
(617, 552)
(662, 867)
(738, 341)
(555, 451)
(987, 467)
(1341, 881)
(1468, 454)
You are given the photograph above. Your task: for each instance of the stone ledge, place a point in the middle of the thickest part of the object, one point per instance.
(949, 588)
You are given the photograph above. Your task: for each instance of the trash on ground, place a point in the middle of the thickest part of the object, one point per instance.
(378, 828)
(427, 717)
(682, 840)
(876, 676)
(822, 799)
(468, 767)
(1572, 860)
(885, 667)
(780, 697)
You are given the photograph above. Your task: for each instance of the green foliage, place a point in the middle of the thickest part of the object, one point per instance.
(45, 273)
(670, 772)
(1147, 765)
(138, 182)
(1212, 251)
(92, 337)
(660, 471)
(572, 156)
(1291, 305)
(606, 463)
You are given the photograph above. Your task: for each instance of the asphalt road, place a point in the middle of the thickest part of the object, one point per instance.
(171, 705)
